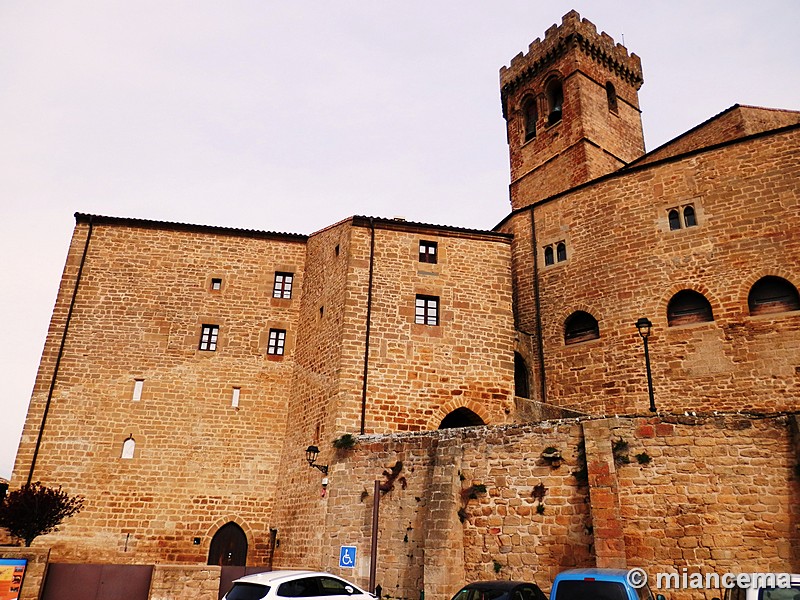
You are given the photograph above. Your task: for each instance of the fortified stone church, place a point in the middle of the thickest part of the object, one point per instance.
(494, 380)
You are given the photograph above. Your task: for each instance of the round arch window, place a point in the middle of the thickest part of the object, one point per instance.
(772, 294)
(580, 327)
(688, 306)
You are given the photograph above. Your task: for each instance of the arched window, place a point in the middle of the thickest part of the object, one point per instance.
(689, 217)
(521, 387)
(579, 327)
(529, 114)
(228, 546)
(555, 101)
(461, 417)
(674, 219)
(772, 294)
(688, 306)
(548, 256)
(611, 95)
(129, 447)
(561, 252)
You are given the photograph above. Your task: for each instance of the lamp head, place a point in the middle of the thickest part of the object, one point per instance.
(644, 325)
(311, 454)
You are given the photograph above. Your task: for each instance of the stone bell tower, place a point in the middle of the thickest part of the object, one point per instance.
(572, 110)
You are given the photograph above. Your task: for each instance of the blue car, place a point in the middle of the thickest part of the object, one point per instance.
(601, 584)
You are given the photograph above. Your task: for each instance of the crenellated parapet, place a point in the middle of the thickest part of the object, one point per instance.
(573, 32)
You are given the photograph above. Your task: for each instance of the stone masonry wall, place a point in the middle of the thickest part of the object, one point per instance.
(623, 262)
(144, 294)
(718, 494)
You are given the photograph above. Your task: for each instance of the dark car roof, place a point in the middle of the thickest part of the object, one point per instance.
(496, 585)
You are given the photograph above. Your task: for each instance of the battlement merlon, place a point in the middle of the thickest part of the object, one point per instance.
(558, 39)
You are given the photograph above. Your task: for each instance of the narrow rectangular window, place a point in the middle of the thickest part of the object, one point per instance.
(216, 284)
(427, 310)
(427, 252)
(235, 397)
(283, 285)
(277, 341)
(208, 337)
(138, 384)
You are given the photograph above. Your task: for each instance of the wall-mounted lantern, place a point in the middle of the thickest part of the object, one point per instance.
(311, 456)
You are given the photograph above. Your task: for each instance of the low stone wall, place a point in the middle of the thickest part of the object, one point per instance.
(707, 494)
(177, 582)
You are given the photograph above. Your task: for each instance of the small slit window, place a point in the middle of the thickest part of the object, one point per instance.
(521, 387)
(579, 327)
(772, 295)
(428, 252)
(216, 284)
(688, 306)
(427, 310)
(611, 95)
(128, 448)
(138, 386)
(277, 342)
(208, 338)
(282, 288)
(235, 397)
(529, 117)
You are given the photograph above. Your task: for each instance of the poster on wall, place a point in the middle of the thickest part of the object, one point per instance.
(12, 571)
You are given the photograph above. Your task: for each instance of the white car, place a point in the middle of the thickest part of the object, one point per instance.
(756, 592)
(275, 585)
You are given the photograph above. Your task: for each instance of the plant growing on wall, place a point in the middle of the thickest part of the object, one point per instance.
(538, 493)
(497, 566)
(552, 456)
(36, 509)
(581, 474)
(619, 449)
(643, 458)
(346, 441)
(393, 475)
(470, 493)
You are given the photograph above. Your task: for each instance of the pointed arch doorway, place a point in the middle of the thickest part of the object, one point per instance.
(228, 546)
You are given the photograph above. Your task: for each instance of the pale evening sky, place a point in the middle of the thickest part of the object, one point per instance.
(289, 116)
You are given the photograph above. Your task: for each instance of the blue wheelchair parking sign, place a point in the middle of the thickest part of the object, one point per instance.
(347, 557)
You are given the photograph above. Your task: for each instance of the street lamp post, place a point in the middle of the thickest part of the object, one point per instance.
(644, 326)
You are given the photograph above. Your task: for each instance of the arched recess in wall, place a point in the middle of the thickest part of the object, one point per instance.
(461, 417)
(688, 306)
(228, 546)
(580, 326)
(772, 294)
(529, 117)
(522, 388)
(555, 100)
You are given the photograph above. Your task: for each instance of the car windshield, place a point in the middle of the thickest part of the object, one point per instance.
(590, 590)
(247, 591)
(792, 593)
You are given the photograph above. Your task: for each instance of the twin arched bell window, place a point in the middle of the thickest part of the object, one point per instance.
(554, 96)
